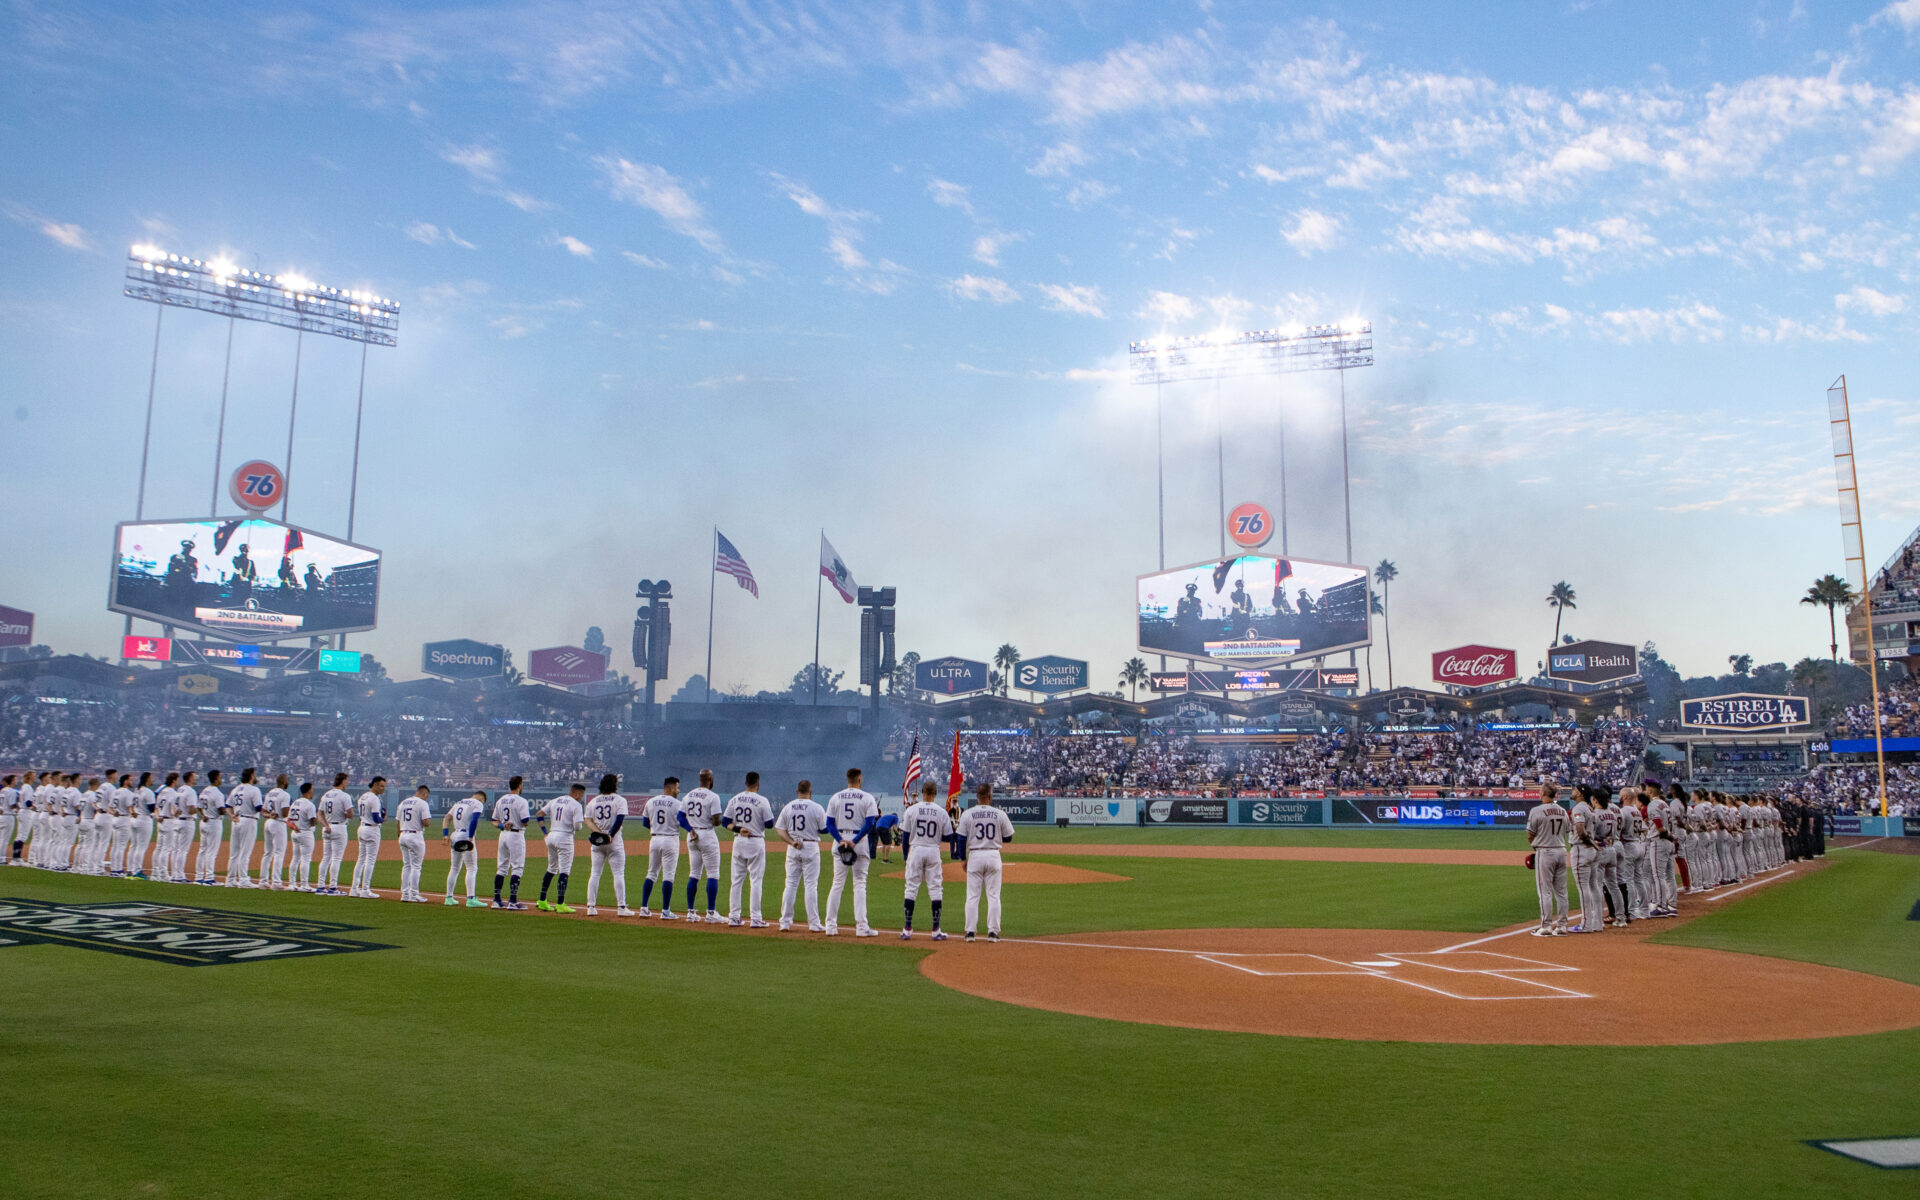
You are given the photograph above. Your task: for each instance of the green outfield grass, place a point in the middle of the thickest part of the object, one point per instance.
(497, 1055)
(1488, 838)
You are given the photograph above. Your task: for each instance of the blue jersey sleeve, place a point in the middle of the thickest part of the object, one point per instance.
(682, 819)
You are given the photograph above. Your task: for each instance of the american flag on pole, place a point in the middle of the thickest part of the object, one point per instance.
(913, 769)
(727, 561)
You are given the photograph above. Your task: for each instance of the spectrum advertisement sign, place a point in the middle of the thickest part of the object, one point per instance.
(462, 658)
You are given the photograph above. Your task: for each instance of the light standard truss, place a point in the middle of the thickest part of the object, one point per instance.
(290, 301)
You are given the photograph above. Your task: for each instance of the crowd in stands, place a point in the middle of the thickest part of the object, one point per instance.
(1900, 579)
(435, 750)
(1899, 712)
(1095, 763)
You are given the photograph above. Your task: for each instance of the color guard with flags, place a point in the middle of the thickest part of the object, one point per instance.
(913, 769)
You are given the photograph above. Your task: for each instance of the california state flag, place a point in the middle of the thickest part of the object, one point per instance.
(835, 569)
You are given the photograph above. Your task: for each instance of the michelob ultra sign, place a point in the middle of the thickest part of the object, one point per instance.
(1745, 711)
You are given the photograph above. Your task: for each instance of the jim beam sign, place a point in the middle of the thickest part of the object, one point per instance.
(1475, 666)
(1745, 711)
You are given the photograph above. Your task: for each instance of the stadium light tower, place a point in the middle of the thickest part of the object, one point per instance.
(290, 301)
(1216, 356)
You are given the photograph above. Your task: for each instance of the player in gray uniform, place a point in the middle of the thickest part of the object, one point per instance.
(1705, 863)
(1607, 817)
(9, 818)
(1636, 871)
(1547, 833)
(1661, 853)
(1586, 862)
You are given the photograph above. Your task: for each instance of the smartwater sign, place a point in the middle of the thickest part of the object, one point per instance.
(951, 676)
(1744, 710)
(1050, 674)
(462, 658)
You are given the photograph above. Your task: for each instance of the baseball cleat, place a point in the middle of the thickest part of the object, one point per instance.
(758, 924)
(866, 933)
(646, 912)
(993, 937)
(734, 922)
(1542, 931)
(624, 912)
(812, 928)
(786, 927)
(831, 930)
(969, 935)
(567, 908)
(451, 902)
(667, 914)
(714, 918)
(938, 936)
(543, 906)
(592, 911)
(475, 902)
(906, 935)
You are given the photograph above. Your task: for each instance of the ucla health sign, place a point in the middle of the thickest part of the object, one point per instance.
(1745, 710)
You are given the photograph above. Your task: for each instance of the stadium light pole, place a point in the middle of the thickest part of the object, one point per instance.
(1216, 356)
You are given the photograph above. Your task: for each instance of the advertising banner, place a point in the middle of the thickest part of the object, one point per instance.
(343, 662)
(198, 685)
(462, 658)
(1745, 711)
(243, 578)
(950, 676)
(1050, 674)
(1302, 679)
(1475, 666)
(1184, 811)
(1279, 812)
(1846, 824)
(16, 627)
(566, 666)
(1592, 662)
(1433, 810)
(1022, 810)
(146, 649)
(1910, 826)
(1093, 811)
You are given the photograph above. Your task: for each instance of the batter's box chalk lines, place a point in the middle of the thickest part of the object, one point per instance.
(1288, 964)
(1450, 960)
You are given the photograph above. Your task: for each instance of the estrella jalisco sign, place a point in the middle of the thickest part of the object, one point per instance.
(1745, 710)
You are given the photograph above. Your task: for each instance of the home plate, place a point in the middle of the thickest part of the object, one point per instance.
(1891, 1153)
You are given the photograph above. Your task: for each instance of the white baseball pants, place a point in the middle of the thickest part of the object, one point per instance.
(983, 875)
(560, 854)
(510, 852)
(203, 867)
(273, 859)
(749, 866)
(841, 870)
(923, 866)
(333, 853)
(139, 837)
(117, 841)
(246, 831)
(300, 857)
(803, 863)
(413, 856)
(611, 858)
(365, 858)
(463, 860)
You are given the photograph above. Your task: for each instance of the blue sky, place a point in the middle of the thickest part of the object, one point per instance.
(874, 269)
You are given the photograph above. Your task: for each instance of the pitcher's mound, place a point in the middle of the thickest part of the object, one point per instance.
(1017, 871)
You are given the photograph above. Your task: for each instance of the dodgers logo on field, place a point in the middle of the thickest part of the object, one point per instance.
(187, 937)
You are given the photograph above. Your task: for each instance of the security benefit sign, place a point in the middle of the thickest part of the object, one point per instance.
(1279, 812)
(1050, 674)
(1745, 711)
(186, 937)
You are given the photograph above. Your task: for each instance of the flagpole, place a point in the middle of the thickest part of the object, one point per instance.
(713, 575)
(816, 627)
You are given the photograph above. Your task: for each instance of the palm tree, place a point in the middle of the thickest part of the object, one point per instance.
(1373, 605)
(1562, 599)
(1830, 592)
(1384, 575)
(996, 683)
(1007, 657)
(1133, 673)
(1807, 674)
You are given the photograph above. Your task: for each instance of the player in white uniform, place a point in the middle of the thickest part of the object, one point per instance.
(851, 816)
(801, 822)
(927, 827)
(301, 815)
(75, 809)
(459, 827)
(563, 815)
(18, 796)
(412, 817)
(9, 819)
(244, 803)
(212, 804)
(986, 829)
(103, 800)
(91, 804)
(1547, 833)
(121, 832)
(749, 815)
(336, 809)
(605, 814)
(140, 827)
(273, 857)
(511, 813)
(661, 816)
(168, 863)
(699, 809)
(372, 810)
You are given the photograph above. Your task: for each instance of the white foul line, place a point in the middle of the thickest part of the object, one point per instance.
(1483, 941)
(1858, 845)
(1743, 887)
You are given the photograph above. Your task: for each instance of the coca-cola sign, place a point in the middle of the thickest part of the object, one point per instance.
(1475, 666)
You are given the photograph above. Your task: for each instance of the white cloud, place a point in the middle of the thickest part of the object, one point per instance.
(1168, 308)
(1263, 172)
(984, 287)
(511, 328)
(573, 245)
(66, 234)
(987, 247)
(843, 238)
(484, 163)
(429, 234)
(1060, 159)
(645, 260)
(950, 195)
(1694, 322)
(1785, 330)
(525, 203)
(1868, 300)
(1904, 13)
(1084, 300)
(657, 190)
(1312, 230)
